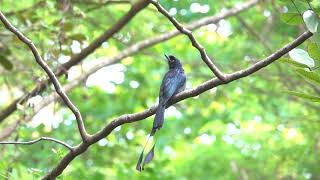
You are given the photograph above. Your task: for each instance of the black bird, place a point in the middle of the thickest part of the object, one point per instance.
(173, 82)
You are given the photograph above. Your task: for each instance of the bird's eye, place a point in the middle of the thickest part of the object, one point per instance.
(171, 60)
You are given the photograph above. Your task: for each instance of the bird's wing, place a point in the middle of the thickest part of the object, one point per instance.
(172, 81)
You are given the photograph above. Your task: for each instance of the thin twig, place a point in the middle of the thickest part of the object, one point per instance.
(193, 40)
(127, 52)
(130, 118)
(38, 140)
(49, 72)
(77, 58)
(138, 47)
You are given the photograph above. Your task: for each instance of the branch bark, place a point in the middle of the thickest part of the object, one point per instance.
(130, 118)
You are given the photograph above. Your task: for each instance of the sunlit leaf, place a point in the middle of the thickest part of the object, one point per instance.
(293, 63)
(302, 57)
(311, 20)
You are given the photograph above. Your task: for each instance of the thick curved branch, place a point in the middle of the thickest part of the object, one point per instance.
(39, 139)
(143, 45)
(131, 50)
(49, 72)
(130, 118)
(193, 40)
(78, 57)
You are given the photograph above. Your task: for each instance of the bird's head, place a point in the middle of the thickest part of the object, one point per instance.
(172, 61)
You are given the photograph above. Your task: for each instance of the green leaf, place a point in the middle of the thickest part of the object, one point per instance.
(311, 20)
(314, 51)
(312, 77)
(316, 38)
(78, 37)
(304, 0)
(67, 26)
(317, 11)
(301, 56)
(285, 1)
(293, 63)
(304, 96)
(291, 18)
(5, 63)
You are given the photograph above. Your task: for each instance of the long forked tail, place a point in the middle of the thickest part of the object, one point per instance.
(157, 124)
(158, 119)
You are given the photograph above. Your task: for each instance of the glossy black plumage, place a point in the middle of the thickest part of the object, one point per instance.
(173, 82)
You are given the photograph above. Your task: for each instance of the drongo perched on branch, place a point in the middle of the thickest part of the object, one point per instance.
(173, 82)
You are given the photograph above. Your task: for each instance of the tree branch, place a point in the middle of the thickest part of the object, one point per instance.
(49, 72)
(193, 40)
(130, 118)
(38, 140)
(78, 57)
(129, 51)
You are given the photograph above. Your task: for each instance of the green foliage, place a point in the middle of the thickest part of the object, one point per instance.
(312, 77)
(312, 20)
(293, 63)
(305, 96)
(314, 51)
(252, 128)
(5, 63)
(301, 57)
(291, 18)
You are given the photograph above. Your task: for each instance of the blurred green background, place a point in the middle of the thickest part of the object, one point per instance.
(248, 129)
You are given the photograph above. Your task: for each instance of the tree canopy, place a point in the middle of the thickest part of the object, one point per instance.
(80, 83)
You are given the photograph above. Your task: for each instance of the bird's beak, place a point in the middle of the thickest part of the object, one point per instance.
(167, 57)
